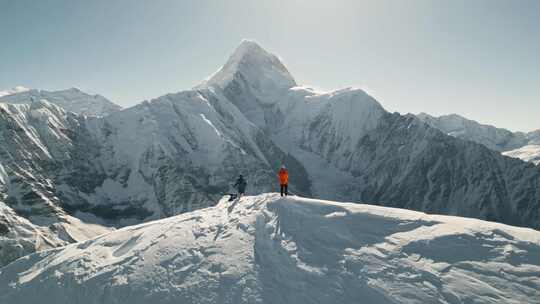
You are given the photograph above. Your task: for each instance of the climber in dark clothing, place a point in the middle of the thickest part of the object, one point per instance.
(240, 185)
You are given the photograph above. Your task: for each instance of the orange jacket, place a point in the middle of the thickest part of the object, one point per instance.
(283, 176)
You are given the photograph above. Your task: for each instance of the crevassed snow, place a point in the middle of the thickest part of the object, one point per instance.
(267, 249)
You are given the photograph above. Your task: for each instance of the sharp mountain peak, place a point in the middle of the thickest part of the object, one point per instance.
(254, 64)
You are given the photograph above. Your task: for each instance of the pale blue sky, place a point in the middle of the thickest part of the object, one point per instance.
(479, 59)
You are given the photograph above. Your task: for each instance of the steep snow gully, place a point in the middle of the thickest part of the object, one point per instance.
(268, 249)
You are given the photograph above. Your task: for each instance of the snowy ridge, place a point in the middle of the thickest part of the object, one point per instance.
(266, 249)
(72, 100)
(15, 90)
(514, 144)
(494, 138)
(329, 124)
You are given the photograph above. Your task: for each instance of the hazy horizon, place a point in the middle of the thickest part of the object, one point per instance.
(476, 59)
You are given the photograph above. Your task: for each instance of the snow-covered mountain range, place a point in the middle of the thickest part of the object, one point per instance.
(266, 249)
(72, 100)
(35, 142)
(181, 152)
(520, 145)
(352, 149)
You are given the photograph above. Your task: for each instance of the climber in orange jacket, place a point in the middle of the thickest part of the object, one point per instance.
(283, 180)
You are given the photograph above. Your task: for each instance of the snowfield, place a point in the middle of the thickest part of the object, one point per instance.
(530, 153)
(265, 249)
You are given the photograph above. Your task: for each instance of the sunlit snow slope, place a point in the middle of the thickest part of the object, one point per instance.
(265, 249)
(530, 153)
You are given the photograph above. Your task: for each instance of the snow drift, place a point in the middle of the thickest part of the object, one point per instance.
(267, 249)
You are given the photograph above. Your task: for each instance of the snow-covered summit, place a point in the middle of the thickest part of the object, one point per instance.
(267, 249)
(264, 72)
(72, 100)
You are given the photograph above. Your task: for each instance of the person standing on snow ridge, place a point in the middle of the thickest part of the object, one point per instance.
(240, 185)
(283, 180)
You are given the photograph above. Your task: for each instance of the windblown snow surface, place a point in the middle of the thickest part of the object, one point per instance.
(267, 249)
